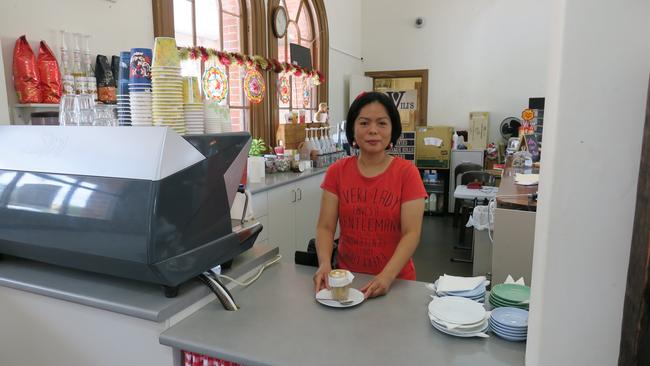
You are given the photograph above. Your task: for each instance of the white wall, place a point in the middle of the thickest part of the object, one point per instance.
(114, 27)
(344, 18)
(4, 106)
(481, 55)
(597, 93)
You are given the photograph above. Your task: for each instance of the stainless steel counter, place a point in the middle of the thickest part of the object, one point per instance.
(280, 323)
(122, 296)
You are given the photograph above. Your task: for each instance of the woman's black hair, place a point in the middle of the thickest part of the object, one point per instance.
(365, 99)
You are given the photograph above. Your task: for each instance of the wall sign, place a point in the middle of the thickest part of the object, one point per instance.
(406, 100)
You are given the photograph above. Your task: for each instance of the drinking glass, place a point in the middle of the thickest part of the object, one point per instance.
(86, 109)
(105, 115)
(68, 115)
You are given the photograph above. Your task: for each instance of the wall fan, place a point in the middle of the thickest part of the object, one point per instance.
(510, 127)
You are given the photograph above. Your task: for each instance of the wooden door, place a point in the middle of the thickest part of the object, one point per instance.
(635, 333)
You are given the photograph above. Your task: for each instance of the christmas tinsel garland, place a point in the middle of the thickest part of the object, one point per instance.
(263, 63)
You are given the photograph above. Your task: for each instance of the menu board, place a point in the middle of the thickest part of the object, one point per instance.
(405, 147)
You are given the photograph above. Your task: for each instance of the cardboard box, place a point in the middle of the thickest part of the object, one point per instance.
(477, 135)
(291, 134)
(433, 147)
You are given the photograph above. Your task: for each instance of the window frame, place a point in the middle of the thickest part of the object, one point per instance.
(164, 26)
(259, 35)
(317, 12)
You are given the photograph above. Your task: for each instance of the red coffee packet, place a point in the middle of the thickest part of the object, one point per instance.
(25, 73)
(50, 76)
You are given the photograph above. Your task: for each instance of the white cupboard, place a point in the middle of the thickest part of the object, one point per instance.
(289, 214)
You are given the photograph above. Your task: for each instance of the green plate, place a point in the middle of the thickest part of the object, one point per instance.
(504, 301)
(511, 292)
(498, 304)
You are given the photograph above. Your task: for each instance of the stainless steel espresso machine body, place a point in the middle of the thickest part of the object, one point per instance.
(136, 202)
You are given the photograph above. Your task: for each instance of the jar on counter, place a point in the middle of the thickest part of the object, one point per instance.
(282, 164)
(269, 164)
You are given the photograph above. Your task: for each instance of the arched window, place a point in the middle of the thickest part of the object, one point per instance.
(307, 27)
(221, 25)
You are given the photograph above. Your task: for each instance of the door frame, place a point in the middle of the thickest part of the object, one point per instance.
(424, 95)
(635, 330)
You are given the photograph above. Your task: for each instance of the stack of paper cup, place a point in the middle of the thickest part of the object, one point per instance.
(216, 117)
(140, 86)
(123, 99)
(193, 106)
(167, 85)
(211, 116)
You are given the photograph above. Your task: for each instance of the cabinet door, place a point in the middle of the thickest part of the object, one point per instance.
(259, 205)
(281, 221)
(307, 209)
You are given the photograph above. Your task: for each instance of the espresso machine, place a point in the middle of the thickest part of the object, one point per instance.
(142, 203)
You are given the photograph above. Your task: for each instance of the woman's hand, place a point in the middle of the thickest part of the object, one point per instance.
(378, 286)
(320, 278)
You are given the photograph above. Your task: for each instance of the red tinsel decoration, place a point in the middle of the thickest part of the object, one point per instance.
(223, 58)
(277, 66)
(287, 67)
(204, 54)
(259, 62)
(238, 58)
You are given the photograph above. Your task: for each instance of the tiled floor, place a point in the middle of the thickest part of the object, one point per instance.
(432, 258)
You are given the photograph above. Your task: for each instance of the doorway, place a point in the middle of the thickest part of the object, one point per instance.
(409, 81)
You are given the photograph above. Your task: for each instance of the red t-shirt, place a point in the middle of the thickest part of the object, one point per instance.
(369, 213)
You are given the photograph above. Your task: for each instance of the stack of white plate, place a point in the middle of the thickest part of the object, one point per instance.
(194, 118)
(167, 85)
(458, 316)
(476, 294)
(509, 323)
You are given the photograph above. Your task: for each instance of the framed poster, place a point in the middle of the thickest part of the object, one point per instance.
(532, 145)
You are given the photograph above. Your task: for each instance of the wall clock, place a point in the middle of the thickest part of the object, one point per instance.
(280, 21)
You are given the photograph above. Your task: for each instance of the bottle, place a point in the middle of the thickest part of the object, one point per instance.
(454, 141)
(433, 202)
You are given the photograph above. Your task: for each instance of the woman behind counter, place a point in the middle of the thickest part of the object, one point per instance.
(377, 199)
